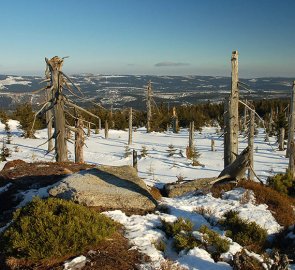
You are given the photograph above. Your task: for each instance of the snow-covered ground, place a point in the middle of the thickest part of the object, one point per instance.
(157, 168)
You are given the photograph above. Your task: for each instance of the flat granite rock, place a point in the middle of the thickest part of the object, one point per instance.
(107, 188)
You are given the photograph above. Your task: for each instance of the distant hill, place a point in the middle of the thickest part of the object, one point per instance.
(129, 90)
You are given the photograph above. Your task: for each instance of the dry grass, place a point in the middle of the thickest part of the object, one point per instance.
(170, 265)
(281, 205)
(155, 193)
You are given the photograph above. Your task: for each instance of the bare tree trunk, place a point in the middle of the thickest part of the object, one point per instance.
(134, 159)
(149, 107)
(291, 121)
(88, 130)
(174, 121)
(212, 145)
(226, 149)
(245, 117)
(130, 127)
(49, 114)
(282, 139)
(79, 141)
(55, 65)
(234, 107)
(106, 130)
(99, 123)
(291, 159)
(191, 136)
(251, 145)
(112, 124)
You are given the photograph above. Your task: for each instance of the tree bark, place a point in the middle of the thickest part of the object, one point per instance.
(174, 121)
(130, 127)
(106, 130)
(234, 107)
(79, 141)
(251, 145)
(55, 65)
(88, 130)
(282, 139)
(49, 114)
(212, 145)
(149, 107)
(191, 136)
(291, 159)
(134, 159)
(291, 121)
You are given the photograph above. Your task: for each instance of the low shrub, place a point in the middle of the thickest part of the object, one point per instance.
(280, 204)
(185, 240)
(282, 182)
(214, 243)
(54, 228)
(180, 225)
(246, 233)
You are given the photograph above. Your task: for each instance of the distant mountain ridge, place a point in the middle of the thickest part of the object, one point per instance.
(122, 91)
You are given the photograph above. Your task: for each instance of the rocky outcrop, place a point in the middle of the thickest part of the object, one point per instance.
(107, 188)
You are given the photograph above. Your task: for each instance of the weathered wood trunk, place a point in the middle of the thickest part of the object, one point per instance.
(245, 118)
(99, 123)
(174, 121)
(149, 107)
(237, 169)
(96, 130)
(212, 145)
(130, 127)
(251, 145)
(134, 159)
(282, 139)
(191, 136)
(106, 130)
(291, 159)
(55, 65)
(234, 108)
(226, 153)
(88, 130)
(79, 141)
(291, 121)
(49, 114)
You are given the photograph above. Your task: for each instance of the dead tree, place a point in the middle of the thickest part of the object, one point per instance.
(49, 114)
(212, 145)
(88, 130)
(130, 127)
(149, 95)
(282, 139)
(291, 121)
(245, 117)
(134, 159)
(174, 121)
(291, 159)
(106, 130)
(191, 136)
(55, 65)
(79, 140)
(60, 103)
(232, 115)
(99, 123)
(251, 145)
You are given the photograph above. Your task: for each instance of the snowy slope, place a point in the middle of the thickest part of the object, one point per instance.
(157, 168)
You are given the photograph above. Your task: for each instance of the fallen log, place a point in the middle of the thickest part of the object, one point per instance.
(232, 173)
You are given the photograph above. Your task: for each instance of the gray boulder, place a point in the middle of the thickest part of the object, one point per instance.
(107, 188)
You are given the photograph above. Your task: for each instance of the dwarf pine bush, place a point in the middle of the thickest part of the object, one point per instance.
(215, 244)
(245, 233)
(53, 228)
(179, 225)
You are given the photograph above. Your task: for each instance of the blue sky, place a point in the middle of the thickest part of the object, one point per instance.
(161, 37)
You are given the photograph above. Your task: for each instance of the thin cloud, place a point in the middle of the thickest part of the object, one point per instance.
(171, 64)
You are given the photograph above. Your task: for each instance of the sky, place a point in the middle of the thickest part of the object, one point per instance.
(157, 37)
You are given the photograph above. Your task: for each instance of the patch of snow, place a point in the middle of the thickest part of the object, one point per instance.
(76, 263)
